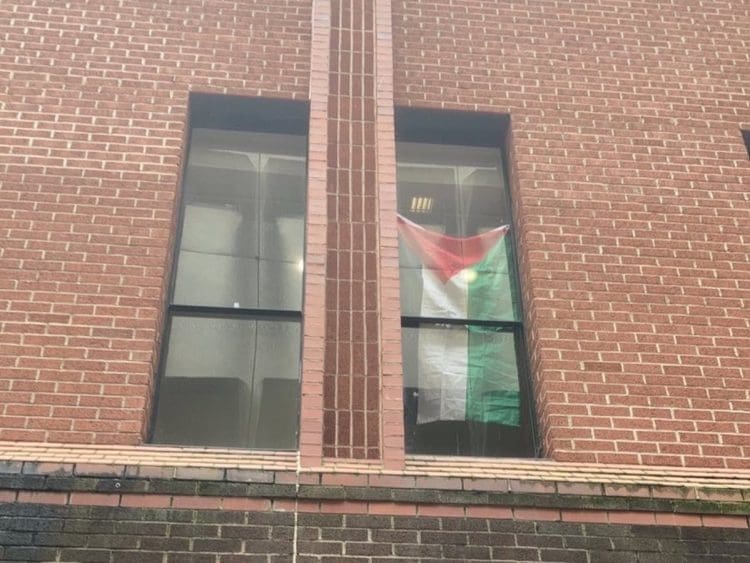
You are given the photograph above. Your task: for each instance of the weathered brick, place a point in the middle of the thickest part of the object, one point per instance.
(347, 534)
(217, 545)
(515, 554)
(466, 552)
(370, 549)
(190, 558)
(268, 547)
(135, 556)
(321, 547)
(417, 550)
(563, 555)
(628, 176)
(85, 555)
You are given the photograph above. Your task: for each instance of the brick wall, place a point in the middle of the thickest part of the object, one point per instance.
(628, 171)
(351, 384)
(630, 183)
(32, 532)
(629, 179)
(93, 103)
(129, 509)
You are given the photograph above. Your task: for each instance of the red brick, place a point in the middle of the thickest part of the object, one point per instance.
(344, 479)
(38, 497)
(392, 508)
(249, 504)
(593, 516)
(32, 468)
(196, 502)
(494, 512)
(666, 519)
(146, 501)
(392, 481)
(447, 483)
(719, 521)
(441, 510)
(627, 491)
(631, 517)
(632, 256)
(343, 507)
(98, 182)
(579, 488)
(95, 499)
(550, 514)
(523, 486)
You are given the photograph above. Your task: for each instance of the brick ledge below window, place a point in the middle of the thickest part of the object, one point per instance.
(503, 475)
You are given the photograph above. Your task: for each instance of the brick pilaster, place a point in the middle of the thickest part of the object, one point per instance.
(352, 378)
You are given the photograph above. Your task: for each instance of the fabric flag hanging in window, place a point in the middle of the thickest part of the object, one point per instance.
(464, 372)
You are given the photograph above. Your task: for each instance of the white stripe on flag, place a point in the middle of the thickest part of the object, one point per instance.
(443, 367)
(443, 373)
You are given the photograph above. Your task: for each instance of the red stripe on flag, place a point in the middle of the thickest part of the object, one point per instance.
(444, 254)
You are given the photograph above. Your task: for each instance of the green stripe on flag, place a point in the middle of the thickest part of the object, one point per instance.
(492, 393)
(490, 293)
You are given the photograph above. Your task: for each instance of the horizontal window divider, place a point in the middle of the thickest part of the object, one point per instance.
(234, 312)
(415, 322)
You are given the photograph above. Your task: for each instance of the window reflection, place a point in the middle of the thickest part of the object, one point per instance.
(243, 226)
(231, 359)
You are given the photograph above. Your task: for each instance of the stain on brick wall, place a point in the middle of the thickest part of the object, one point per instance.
(33, 532)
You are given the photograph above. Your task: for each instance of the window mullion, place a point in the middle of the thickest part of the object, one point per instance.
(234, 312)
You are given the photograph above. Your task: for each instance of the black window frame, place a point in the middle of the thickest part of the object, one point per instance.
(229, 113)
(488, 130)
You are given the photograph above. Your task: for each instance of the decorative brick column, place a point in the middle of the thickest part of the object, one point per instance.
(359, 156)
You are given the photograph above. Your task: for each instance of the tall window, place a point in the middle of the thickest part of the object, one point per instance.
(465, 389)
(231, 357)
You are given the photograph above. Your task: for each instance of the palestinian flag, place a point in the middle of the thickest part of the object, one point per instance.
(464, 372)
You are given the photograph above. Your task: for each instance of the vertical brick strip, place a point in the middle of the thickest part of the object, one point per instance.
(311, 430)
(527, 285)
(351, 390)
(390, 306)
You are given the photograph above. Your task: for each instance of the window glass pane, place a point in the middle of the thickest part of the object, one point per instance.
(230, 382)
(242, 234)
(282, 235)
(460, 188)
(427, 195)
(461, 391)
(482, 199)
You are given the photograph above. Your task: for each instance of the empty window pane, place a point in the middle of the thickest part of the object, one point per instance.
(230, 382)
(243, 226)
(459, 188)
(230, 362)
